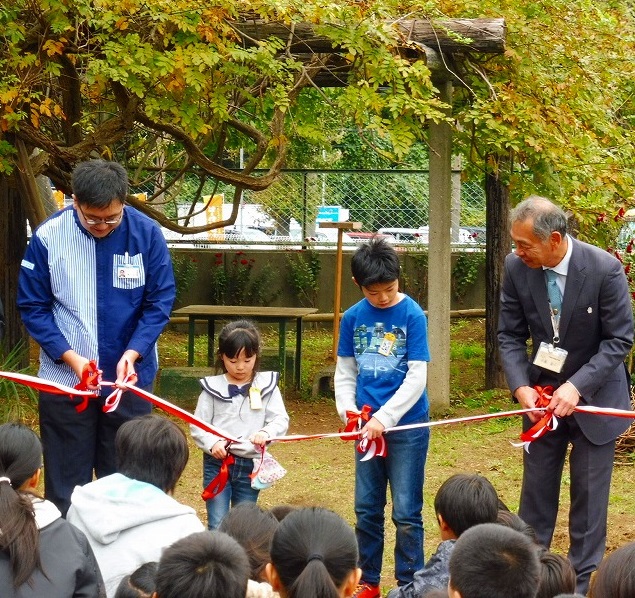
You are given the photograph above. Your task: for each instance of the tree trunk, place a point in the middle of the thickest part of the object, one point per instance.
(12, 246)
(498, 245)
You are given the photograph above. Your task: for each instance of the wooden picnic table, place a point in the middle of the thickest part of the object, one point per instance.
(279, 315)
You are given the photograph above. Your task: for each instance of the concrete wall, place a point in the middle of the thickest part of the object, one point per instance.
(414, 279)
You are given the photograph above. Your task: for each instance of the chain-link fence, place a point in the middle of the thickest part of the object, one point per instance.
(382, 200)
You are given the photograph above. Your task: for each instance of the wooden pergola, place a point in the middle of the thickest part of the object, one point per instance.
(443, 45)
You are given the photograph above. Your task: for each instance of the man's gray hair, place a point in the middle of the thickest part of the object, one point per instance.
(547, 216)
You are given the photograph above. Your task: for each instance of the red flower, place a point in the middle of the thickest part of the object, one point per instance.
(244, 262)
(629, 247)
(601, 217)
(627, 268)
(620, 214)
(218, 263)
(218, 255)
(618, 256)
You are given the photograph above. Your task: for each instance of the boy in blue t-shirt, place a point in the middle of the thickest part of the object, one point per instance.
(382, 363)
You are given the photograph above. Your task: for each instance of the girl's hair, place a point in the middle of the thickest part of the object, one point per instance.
(139, 584)
(236, 336)
(253, 528)
(614, 577)
(20, 458)
(313, 551)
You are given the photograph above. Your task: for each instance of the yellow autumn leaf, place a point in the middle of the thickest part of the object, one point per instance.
(53, 47)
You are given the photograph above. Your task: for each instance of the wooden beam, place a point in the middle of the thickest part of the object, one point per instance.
(447, 36)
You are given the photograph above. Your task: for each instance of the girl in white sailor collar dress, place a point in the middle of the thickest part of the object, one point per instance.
(244, 403)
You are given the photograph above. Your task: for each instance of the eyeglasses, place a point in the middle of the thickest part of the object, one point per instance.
(108, 221)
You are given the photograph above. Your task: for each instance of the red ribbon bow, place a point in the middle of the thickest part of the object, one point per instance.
(217, 485)
(355, 420)
(372, 448)
(91, 376)
(547, 423)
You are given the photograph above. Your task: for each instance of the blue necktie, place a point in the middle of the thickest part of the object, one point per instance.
(234, 390)
(553, 290)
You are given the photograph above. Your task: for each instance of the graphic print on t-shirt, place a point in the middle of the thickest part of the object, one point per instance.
(380, 352)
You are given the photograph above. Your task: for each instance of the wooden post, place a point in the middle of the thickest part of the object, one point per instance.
(341, 227)
(439, 257)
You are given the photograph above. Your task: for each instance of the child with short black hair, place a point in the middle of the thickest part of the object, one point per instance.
(203, 565)
(557, 574)
(243, 402)
(491, 560)
(380, 377)
(313, 555)
(463, 501)
(141, 583)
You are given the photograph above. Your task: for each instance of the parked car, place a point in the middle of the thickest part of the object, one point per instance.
(228, 238)
(407, 235)
(477, 233)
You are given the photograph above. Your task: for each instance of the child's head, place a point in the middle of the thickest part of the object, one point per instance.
(493, 561)
(240, 338)
(202, 565)
(20, 463)
(614, 577)
(375, 262)
(313, 553)
(465, 500)
(557, 575)
(139, 584)
(375, 268)
(281, 511)
(152, 449)
(253, 528)
(516, 522)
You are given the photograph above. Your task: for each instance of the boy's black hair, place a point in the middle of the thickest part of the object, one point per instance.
(203, 565)
(141, 583)
(514, 521)
(253, 528)
(557, 574)
(493, 561)
(375, 262)
(97, 183)
(152, 449)
(465, 500)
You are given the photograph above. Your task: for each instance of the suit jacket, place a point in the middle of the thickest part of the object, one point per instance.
(596, 328)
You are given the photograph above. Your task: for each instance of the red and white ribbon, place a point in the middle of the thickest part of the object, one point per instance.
(376, 447)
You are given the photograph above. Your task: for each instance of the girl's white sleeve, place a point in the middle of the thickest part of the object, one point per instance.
(204, 440)
(276, 417)
(345, 382)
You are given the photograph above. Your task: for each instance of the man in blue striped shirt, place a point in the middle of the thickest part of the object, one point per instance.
(96, 283)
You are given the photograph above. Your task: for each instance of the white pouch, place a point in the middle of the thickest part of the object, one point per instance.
(266, 471)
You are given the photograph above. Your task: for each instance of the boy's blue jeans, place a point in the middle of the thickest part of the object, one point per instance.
(238, 487)
(402, 468)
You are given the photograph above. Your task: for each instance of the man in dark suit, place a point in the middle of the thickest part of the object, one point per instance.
(580, 335)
